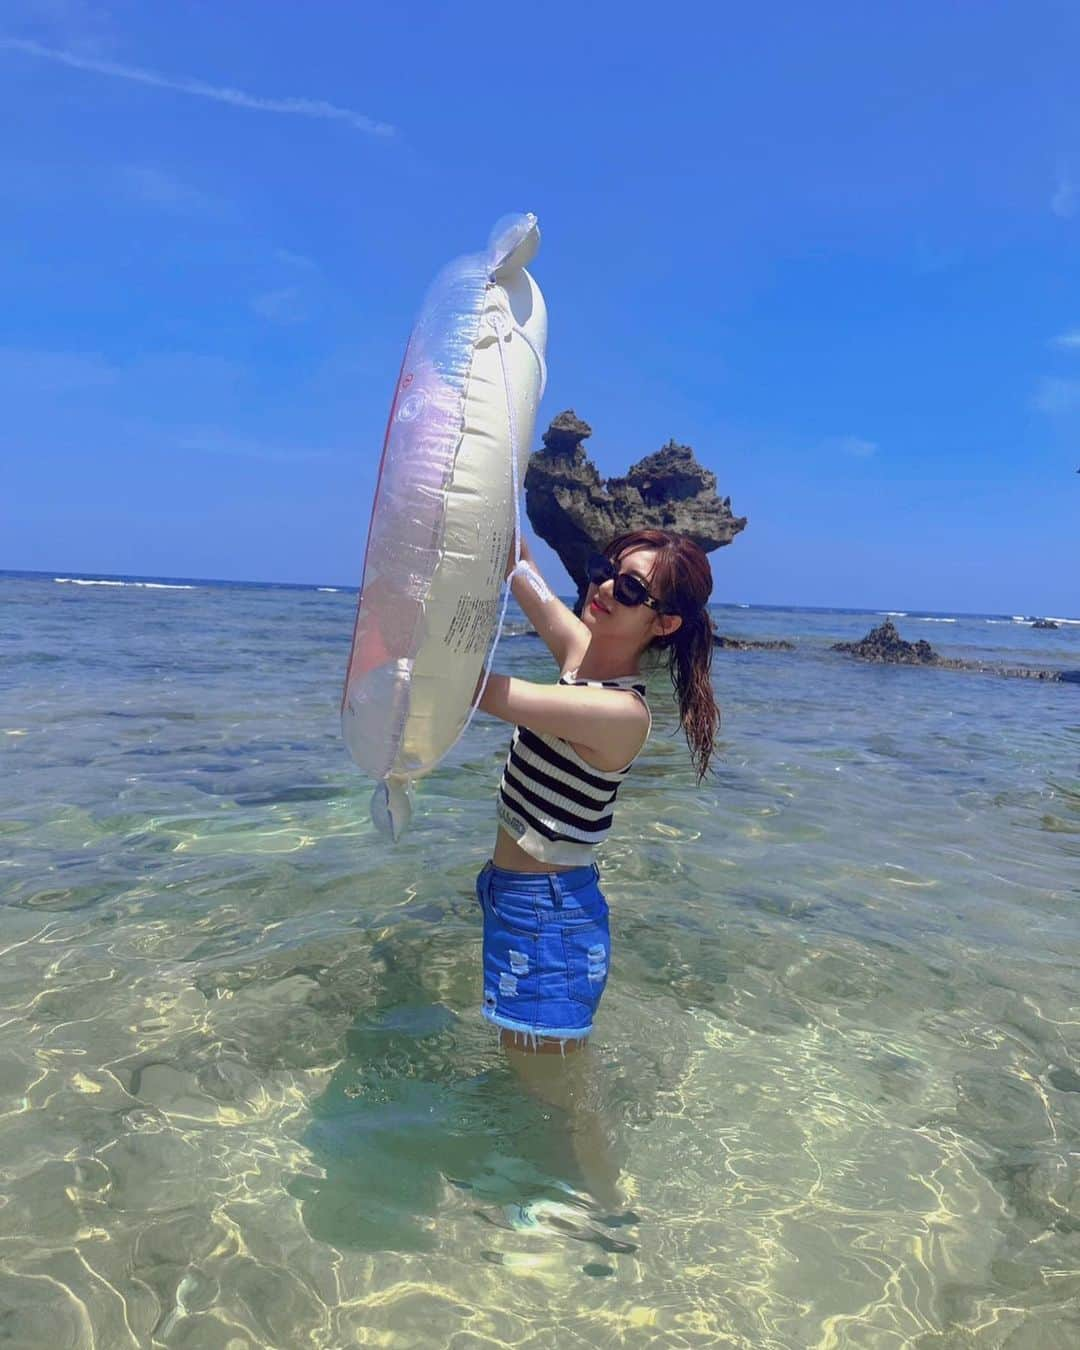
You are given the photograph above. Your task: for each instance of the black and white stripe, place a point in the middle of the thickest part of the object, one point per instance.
(548, 787)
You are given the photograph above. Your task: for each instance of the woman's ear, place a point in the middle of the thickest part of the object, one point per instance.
(666, 624)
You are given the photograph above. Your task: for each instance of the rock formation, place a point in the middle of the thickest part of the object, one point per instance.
(884, 644)
(575, 511)
(1043, 623)
(750, 645)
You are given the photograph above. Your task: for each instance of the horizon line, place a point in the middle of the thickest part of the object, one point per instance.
(56, 574)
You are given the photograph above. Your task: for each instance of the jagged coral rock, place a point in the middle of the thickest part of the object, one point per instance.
(884, 643)
(575, 511)
(752, 645)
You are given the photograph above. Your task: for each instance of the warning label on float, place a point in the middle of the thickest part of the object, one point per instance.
(470, 626)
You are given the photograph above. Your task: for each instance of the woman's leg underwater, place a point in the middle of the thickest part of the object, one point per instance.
(566, 1075)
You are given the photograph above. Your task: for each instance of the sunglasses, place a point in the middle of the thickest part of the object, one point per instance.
(629, 590)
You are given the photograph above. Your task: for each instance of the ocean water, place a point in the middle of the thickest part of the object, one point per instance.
(247, 1098)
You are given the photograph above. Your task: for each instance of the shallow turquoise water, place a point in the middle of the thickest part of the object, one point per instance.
(248, 1100)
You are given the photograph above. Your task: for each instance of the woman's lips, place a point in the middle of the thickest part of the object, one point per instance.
(598, 607)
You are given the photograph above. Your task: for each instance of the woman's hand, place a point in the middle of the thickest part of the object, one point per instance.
(511, 559)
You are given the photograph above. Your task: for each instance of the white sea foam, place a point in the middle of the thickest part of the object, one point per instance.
(331, 590)
(928, 620)
(140, 585)
(1054, 619)
(77, 581)
(893, 613)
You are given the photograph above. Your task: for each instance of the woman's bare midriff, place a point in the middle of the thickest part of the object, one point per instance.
(509, 854)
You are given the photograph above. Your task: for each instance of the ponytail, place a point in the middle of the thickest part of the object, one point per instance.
(689, 662)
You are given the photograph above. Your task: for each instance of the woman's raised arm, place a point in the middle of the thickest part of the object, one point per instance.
(611, 724)
(563, 632)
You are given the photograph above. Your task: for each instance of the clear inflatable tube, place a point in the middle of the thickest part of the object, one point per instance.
(445, 516)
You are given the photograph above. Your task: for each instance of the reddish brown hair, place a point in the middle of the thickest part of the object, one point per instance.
(682, 582)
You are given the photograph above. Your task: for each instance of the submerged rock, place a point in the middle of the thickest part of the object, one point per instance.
(1043, 623)
(575, 511)
(749, 645)
(1022, 672)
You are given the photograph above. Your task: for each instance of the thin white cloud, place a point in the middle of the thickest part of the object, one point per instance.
(151, 186)
(852, 445)
(1066, 196)
(76, 25)
(25, 372)
(1056, 396)
(1070, 340)
(297, 260)
(287, 305)
(931, 258)
(182, 84)
(212, 441)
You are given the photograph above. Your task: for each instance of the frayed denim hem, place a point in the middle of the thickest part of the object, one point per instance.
(534, 1035)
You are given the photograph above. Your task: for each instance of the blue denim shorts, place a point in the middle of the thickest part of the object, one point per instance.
(546, 949)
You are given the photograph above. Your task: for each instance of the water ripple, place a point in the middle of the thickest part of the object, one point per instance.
(245, 1098)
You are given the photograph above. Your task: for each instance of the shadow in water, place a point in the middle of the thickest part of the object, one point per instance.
(423, 1100)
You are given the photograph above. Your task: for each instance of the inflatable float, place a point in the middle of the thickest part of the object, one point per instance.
(445, 517)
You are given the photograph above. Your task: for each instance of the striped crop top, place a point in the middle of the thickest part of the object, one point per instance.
(553, 803)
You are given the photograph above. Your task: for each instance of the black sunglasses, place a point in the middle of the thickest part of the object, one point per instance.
(629, 590)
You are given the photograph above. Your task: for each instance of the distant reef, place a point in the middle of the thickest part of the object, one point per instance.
(576, 512)
(748, 645)
(884, 644)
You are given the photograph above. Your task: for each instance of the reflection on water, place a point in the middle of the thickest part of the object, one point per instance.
(246, 1098)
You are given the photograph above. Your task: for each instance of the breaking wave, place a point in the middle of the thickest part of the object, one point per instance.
(141, 585)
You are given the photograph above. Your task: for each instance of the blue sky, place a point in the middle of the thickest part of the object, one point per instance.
(835, 248)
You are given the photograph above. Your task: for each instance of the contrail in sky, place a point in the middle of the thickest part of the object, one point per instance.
(182, 84)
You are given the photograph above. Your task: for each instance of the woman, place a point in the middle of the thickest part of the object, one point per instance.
(546, 940)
